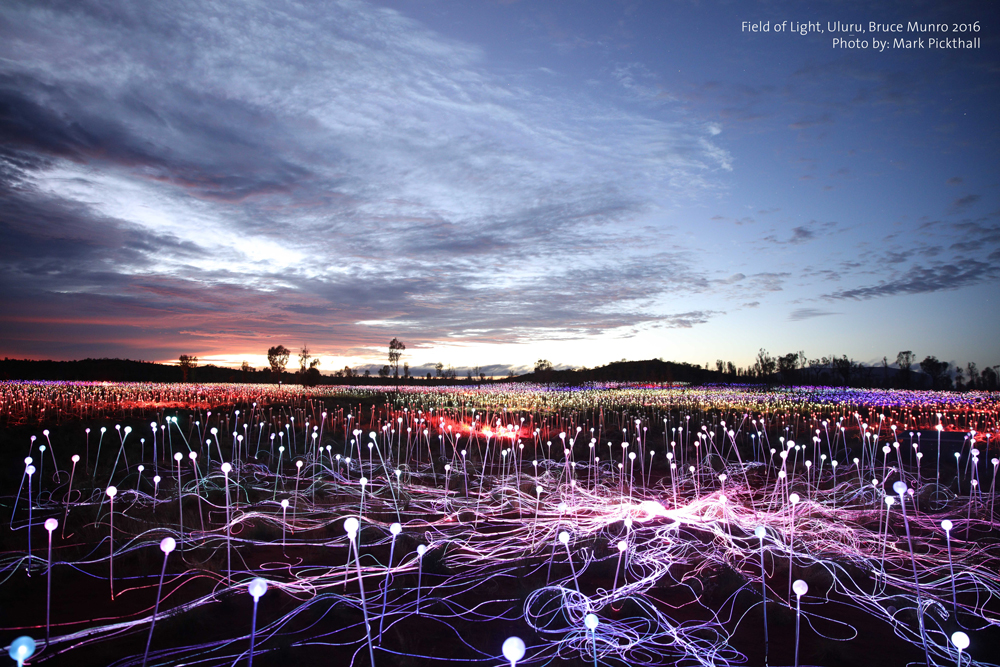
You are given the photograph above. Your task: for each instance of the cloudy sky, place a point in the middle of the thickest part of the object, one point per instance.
(495, 182)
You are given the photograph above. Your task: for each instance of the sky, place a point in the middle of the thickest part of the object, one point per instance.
(498, 182)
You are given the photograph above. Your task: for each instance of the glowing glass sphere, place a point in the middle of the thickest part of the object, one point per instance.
(513, 649)
(168, 544)
(800, 587)
(257, 588)
(23, 648)
(590, 621)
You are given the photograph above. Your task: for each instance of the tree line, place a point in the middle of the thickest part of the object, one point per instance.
(793, 368)
(796, 368)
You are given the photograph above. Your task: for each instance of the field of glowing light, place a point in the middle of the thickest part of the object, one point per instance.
(183, 524)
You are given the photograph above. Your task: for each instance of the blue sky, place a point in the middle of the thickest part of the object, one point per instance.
(494, 182)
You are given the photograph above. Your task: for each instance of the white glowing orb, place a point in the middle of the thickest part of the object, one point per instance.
(513, 649)
(257, 588)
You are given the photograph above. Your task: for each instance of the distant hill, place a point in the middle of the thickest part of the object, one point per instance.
(113, 370)
(651, 370)
(128, 370)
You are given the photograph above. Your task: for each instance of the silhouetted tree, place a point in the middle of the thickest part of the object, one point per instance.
(990, 378)
(543, 369)
(904, 360)
(246, 369)
(439, 368)
(765, 364)
(277, 357)
(975, 380)
(844, 367)
(938, 370)
(384, 372)
(396, 348)
(787, 365)
(304, 357)
(312, 374)
(543, 366)
(187, 362)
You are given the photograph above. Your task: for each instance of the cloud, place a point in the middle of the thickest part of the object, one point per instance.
(803, 233)
(686, 320)
(641, 83)
(965, 202)
(265, 167)
(808, 313)
(920, 280)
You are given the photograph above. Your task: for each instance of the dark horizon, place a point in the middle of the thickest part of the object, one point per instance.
(767, 371)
